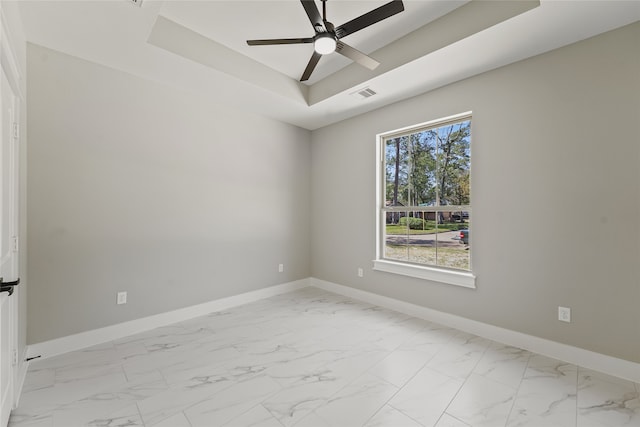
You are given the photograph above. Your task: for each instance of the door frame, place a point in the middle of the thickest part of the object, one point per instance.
(9, 68)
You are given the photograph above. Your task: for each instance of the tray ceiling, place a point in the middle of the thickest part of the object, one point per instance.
(201, 46)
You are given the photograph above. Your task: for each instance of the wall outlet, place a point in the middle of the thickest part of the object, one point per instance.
(122, 298)
(564, 314)
(360, 272)
(280, 268)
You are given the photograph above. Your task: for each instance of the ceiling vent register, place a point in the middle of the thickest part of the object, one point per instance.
(364, 93)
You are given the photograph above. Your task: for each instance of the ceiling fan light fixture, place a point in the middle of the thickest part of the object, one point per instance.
(324, 44)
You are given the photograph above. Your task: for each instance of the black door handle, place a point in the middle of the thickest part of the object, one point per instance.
(14, 283)
(8, 286)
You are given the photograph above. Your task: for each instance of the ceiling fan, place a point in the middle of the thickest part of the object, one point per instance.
(327, 37)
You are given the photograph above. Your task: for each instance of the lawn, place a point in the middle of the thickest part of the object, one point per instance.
(444, 257)
(430, 227)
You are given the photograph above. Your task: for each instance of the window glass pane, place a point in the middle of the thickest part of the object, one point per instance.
(396, 236)
(453, 165)
(422, 182)
(423, 238)
(453, 241)
(396, 170)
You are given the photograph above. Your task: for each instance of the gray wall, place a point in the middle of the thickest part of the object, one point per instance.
(134, 186)
(555, 193)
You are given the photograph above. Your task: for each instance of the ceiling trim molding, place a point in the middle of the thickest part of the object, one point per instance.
(173, 37)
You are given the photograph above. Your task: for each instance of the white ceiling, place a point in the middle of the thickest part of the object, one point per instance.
(201, 46)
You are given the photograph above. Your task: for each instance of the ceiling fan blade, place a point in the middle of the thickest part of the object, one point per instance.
(310, 66)
(370, 18)
(278, 41)
(314, 15)
(356, 55)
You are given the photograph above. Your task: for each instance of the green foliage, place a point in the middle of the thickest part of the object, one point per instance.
(414, 223)
(429, 167)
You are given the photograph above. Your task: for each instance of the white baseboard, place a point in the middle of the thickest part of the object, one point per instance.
(578, 356)
(599, 362)
(22, 376)
(98, 336)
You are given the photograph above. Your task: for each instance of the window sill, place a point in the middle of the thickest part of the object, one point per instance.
(458, 278)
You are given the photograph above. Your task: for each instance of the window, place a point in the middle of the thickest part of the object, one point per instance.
(424, 201)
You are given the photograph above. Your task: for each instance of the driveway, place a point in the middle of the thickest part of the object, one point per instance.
(445, 239)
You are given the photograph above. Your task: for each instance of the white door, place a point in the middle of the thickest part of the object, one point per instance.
(8, 244)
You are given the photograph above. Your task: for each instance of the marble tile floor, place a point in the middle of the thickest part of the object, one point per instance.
(310, 358)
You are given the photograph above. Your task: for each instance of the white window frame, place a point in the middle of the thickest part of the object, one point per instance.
(427, 272)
